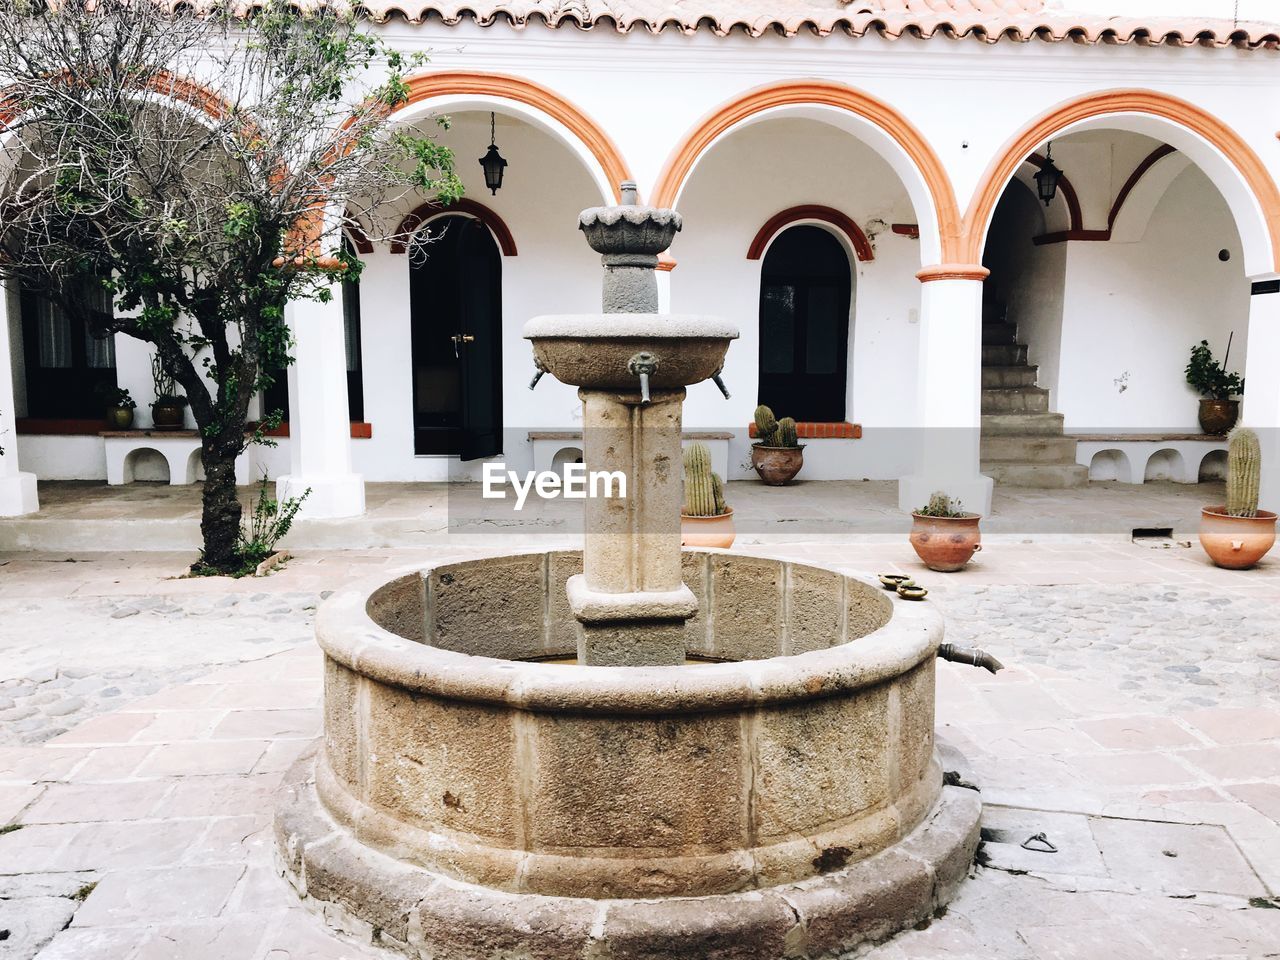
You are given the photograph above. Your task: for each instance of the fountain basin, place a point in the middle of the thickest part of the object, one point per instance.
(593, 350)
(459, 776)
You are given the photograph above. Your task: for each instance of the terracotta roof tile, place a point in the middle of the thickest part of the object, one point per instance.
(986, 20)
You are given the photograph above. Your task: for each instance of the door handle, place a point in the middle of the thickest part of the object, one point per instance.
(461, 338)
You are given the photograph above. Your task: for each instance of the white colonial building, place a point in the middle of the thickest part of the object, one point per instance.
(858, 193)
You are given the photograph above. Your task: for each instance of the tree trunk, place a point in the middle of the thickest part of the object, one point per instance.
(220, 521)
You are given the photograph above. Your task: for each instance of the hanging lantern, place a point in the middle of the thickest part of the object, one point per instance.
(492, 162)
(1047, 178)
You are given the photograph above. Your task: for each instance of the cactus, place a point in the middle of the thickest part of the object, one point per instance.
(787, 433)
(1244, 467)
(941, 505)
(703, 489)
(766, 427)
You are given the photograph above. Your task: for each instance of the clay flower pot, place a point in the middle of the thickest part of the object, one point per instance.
(777, 465)
(1236, 543)
(946, 544)
(1218, 416)
(707, 531)
(120, 418)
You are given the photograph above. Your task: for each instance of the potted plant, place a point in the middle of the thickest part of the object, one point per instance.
(1218, 411)
(705, 519)
(1238, 535)
(944, 535)
(776, 455)
(168, 412)
(120, 406)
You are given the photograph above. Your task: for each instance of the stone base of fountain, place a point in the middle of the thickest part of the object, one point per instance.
(472, 802)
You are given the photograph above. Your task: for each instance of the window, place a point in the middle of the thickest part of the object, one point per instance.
(69, 363)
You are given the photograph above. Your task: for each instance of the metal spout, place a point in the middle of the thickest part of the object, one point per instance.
(537, 376)
(643, 365)
(715, 378)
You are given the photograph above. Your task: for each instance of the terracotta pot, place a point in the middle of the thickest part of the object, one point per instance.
(120, 418)
(777, 465)
(1236, 543)
(946, 544)
(168, 416)
(707, 531)
(1218, 416)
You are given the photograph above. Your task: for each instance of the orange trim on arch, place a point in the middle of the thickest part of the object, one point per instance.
(453, 83)
(680, 163)
(1173, 109)
(464, 205)
(811, 211)
(1069, 195)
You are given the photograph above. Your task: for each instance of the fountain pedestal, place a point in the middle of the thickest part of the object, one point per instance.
(631, 365)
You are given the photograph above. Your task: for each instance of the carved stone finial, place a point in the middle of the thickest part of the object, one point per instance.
(629, 238)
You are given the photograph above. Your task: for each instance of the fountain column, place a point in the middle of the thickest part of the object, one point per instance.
(631, 365)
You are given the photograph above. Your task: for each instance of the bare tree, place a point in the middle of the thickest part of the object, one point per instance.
(196, 169)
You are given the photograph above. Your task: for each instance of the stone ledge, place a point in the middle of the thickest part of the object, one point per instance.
(423, 914)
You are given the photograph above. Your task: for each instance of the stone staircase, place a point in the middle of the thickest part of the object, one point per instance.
(1022, 442)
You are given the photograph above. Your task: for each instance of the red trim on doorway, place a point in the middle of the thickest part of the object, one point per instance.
(909, 230)
(58, 427)
(355, 233)
(465, 205)
(811, 211)
(821, 431)
(359, 430)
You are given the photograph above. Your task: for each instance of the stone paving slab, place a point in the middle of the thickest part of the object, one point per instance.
(165, 798)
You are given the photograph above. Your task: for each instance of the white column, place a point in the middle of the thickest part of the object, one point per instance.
(319, 420)
(1261, 408)
(949, 391)
(17, 489)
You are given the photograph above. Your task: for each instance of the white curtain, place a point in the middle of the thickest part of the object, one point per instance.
(55, 336)
(99, 352)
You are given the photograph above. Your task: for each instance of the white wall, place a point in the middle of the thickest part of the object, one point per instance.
(554, 272)
(1133, 310)
(744, 180)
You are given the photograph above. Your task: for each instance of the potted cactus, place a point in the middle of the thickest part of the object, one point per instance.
(776, 455)
(944, 535)
(1238, 535)
(705, 519)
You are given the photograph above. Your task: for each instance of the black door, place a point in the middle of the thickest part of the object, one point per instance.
(805, 288)
(455, 302)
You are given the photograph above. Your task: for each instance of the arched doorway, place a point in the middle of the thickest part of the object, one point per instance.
(455, 304)
(805, 289)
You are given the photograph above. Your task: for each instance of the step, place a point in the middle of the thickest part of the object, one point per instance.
(1042, 476)
(1029, 448)
(1017, 375)
(1015, 400)
(994, 312)
(999, 333)
(1003, 354)
(1021, 424)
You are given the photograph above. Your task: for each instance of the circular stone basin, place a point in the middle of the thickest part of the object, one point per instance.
(592, 350)
(494, 783)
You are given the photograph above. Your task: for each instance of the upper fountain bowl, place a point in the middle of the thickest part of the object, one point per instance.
(595, 350)
(629, 229)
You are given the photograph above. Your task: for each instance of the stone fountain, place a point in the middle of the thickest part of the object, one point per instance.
(741, 764)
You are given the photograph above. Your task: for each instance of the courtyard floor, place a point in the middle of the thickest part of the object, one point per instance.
(145, 721)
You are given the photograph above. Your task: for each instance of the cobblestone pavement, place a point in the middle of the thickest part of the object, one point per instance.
(1137, 724)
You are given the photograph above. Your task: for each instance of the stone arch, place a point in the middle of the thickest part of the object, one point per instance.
(813, 213)
(1233, 166)
(1111, 465)
(151, 461)
(1165, 464)
(873, 121)
(532, 102)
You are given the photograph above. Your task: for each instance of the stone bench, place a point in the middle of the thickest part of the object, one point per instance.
(1139, 457)
(179, 448)
(554, 448)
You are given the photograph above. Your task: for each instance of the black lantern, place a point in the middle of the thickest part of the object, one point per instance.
(1047, 178)
(492, 161)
